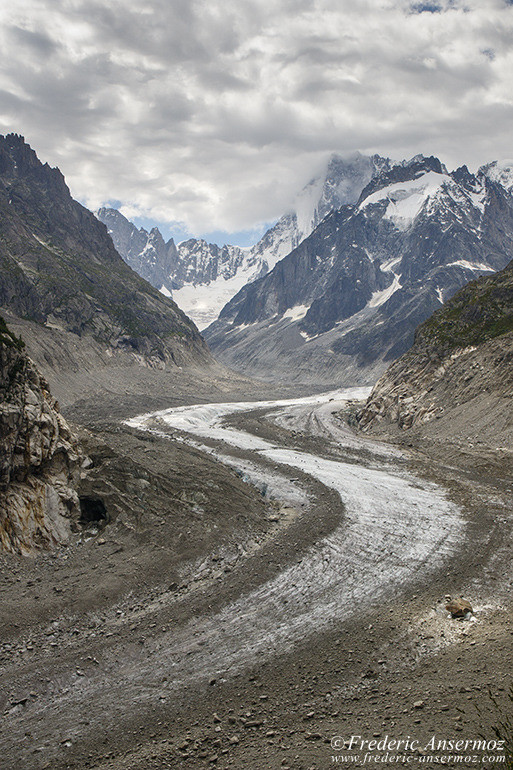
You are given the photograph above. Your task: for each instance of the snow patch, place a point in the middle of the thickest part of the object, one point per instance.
(471, 265)
(203, 302)
(163, 290)
(387, 266)
(239, 328)
(309, 337)
(297, 312)
(478, 199)
(406, 199)
(380, 297)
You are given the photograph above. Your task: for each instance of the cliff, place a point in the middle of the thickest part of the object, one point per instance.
(40, 456)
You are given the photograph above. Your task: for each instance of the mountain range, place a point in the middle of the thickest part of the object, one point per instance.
(381, 245)
(346, 301)
(203, 277)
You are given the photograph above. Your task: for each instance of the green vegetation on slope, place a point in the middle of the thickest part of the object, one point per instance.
(479, 312)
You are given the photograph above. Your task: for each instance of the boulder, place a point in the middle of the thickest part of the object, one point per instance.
(459, 608)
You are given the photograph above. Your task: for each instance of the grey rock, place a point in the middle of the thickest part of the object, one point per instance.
(60, 269)
(346, 302)
(40, 463)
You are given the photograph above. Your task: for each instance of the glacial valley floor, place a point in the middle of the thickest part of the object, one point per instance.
(110, 656)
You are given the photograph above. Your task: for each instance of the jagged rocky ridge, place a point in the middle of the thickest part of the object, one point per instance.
(203, 277)
(59, 268)
(458, 376)
(347, 300)
(39, 465)
(145, 252)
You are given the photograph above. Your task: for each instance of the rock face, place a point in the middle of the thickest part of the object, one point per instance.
(58, 267)
(145, 252)
(457, 378)
(347, 300)
(40, 458)
(202, 276)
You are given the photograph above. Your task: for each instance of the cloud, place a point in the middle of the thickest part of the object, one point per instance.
(214, 114)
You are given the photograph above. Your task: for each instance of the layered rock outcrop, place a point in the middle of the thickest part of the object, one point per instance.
(40, 457)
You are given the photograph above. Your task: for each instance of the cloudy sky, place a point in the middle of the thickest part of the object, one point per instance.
(211, 114)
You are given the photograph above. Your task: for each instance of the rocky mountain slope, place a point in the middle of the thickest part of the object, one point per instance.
(39, 465)
(347, 300)
(202, 276)
(60, 270)
(457, 379)
(145, 252)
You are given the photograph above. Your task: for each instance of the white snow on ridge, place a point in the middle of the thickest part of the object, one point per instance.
(406, 199)
(380, 297)
(500, 171)
(471, 265)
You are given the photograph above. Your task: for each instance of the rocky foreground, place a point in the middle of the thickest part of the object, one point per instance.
(88, 680)
(40, 461)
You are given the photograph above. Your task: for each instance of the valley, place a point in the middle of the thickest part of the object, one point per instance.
(204, 567)
(293, 592)
(256, 385)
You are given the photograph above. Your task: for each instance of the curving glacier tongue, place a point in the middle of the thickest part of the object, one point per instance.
(395, 529)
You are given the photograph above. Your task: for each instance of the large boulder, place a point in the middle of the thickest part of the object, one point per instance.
(459, 608)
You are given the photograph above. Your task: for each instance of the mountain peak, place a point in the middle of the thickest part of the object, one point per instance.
(19, 161)
(60, 268)
(404, 172)
(429, 162)
(464, 177)
(347, 298)
(500, 171)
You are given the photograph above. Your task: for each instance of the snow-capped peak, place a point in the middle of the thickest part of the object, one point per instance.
(406, 199)
(340, 183)
(427, 190)
(500, 171)
(203, 276)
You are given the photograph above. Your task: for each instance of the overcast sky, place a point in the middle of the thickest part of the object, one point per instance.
(214, 113)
